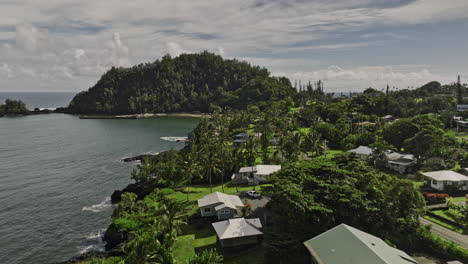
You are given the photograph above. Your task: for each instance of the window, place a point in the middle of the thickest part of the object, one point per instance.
(434, 182)
(225, 211)
(207, 210)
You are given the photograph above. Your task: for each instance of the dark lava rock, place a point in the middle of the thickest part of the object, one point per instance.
(141, 190)
(115, 237)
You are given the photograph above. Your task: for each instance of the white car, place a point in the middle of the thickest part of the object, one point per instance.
(253, 194)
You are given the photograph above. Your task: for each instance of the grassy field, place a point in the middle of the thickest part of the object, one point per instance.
(458, 199)
(193, 240)
(199, 191)
(444, 224)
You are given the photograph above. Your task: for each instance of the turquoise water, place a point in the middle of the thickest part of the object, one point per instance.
(57, 173)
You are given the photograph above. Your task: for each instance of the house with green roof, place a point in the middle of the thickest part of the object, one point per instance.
(344, 244)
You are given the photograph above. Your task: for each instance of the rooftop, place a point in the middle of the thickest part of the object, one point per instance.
(363, 150)
(445, 175)
(238, 227)
(230, 201)
(347, 245)
(261, 169)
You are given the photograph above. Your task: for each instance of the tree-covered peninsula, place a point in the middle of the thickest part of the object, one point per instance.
(191, 82)
(13, 107)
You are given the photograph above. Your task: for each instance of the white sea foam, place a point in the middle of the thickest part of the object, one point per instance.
(96, 208)
(94, 242)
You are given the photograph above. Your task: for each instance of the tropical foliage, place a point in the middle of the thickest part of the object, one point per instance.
(191, 82)
(13, 107)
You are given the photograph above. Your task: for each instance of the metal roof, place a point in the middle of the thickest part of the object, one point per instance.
(445, 175)
(238, 227)
(261, 169)
(230, 201)
(344, 244)
(363, 150)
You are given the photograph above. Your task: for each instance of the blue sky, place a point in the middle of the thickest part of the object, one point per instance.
(64, 45)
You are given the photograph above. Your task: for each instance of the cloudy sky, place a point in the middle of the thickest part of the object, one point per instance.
(64, 45)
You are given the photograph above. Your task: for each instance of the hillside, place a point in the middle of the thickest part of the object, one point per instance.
(191, 82)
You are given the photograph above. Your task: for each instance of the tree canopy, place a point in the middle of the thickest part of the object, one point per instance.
(191, 82)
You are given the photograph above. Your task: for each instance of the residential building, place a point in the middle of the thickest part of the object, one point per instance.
(389, 118)
(240, 139)
(221, 205)
(362, 152)
(255, 174)
(344, 244)
(400, 162)
(461, 124)
(238, 233)
(440, 180)
(462, 107)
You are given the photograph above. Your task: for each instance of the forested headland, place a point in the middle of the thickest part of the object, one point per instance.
(191, 82)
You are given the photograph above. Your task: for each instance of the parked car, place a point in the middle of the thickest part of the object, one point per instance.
(253, 194)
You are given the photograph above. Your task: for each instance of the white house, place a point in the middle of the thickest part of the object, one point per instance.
(222, 205)
(362, 152)
(238, 232)
(254, 175)
(399, 162)
(441, 179)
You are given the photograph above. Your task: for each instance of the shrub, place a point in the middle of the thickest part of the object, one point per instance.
(166, 191)
(207, 257)
(126, 224)
(435, 197)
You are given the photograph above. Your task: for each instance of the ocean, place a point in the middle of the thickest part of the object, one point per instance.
(57, 173)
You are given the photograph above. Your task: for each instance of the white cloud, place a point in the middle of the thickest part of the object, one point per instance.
(79, 40)
(337, 78)
(174, 49)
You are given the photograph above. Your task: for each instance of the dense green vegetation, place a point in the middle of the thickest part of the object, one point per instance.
(191, 82)
(13, 107)
(307, 132)
(312, 197)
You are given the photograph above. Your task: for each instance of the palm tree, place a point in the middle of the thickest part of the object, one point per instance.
(191, 167)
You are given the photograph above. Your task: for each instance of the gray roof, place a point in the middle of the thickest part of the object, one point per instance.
(238, 227)
(344, 244)
(445, 175)
(454, 262)
(363, 150)
(230, 201)
(261, 169)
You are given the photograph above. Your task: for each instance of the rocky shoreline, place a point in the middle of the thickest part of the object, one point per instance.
(113, 236)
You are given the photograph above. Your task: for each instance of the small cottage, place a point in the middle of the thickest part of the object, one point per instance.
(440, 180)
(400, 162)
(254, 175)
(238, 233)
(221, 205)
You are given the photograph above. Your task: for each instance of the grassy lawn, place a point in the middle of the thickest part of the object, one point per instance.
(193, 240)
(458, 199)
(331, 153)
(444, 224)
(252, 256)
(443, 213)
(199, 191)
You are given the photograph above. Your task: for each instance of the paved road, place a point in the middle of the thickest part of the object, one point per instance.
(448, 234)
